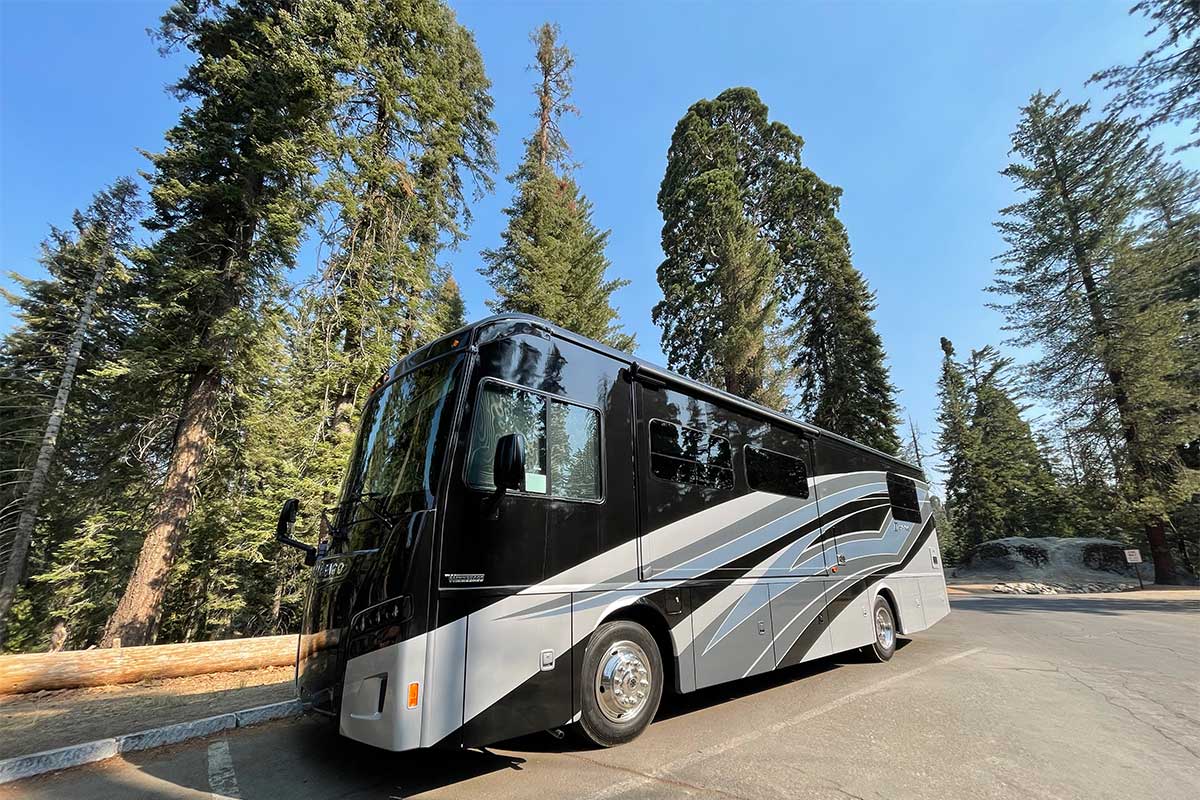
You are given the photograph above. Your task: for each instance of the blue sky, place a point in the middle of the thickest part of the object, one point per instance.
(906, 106)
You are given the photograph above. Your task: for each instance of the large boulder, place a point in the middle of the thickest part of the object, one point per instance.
(1053, 558)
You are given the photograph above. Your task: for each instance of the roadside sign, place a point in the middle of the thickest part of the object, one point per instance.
(1133, 556)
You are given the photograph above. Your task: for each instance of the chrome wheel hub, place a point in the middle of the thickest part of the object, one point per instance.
(885, 631)
(623, 681)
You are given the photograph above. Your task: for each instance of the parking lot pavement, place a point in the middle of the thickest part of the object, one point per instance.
(1011, 696)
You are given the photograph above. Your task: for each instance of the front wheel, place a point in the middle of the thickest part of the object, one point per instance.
(884, 645)
(621, 683)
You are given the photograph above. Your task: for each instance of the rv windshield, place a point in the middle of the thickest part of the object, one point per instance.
(401, 444)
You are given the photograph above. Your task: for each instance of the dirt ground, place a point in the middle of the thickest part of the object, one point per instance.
(47, 720)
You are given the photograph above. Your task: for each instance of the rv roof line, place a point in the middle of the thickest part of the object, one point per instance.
(640, 367)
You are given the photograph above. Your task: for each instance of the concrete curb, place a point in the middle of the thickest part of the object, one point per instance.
(20, 767)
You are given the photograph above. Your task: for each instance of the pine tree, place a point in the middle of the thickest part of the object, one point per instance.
(450, 312)
(412, 127)
(953, 437)
(1165, 81)
(971, 501)
(231, 195)
(725, 199)
(845, 386)
(999, 481)
(86, 273)
(752, 241)
(552, 263)
(1022, 490)
(410, 132)
(1079, 287)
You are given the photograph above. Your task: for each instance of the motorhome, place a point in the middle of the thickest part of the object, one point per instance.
(536, 531)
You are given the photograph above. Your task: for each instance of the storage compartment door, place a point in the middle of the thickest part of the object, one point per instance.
(519, 677)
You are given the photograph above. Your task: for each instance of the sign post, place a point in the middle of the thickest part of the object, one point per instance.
(1135, 557)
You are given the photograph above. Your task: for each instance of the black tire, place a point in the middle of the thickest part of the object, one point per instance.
(883, 621)
(631, 655)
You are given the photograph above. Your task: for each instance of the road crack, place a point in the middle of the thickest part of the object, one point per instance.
(1112, 701)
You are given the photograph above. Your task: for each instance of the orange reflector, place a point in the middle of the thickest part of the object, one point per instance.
(413, 692)
(833, 569)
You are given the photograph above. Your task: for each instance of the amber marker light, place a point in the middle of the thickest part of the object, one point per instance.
(414, 690)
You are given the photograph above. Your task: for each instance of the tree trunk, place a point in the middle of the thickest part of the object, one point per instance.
(135, 621)
(15, 571)
(1160, 553)
(72, 669)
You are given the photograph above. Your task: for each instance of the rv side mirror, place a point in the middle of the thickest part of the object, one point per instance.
(283, 531)
(508, 467)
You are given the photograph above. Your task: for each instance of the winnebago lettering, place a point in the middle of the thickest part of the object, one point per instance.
(536, 530)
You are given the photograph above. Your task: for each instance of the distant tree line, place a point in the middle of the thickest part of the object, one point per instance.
(164, 391)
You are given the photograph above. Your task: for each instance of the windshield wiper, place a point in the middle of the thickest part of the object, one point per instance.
(367, 500)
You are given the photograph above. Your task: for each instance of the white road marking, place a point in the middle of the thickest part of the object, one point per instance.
(221, 777)
(738, 741)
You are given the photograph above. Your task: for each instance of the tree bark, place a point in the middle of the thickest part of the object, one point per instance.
(72, 669)
(135, 621)
(14, 574)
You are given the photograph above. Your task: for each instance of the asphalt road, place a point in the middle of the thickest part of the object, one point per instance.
(1031, 697)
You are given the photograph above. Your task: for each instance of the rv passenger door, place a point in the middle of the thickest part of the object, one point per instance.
(511, 560)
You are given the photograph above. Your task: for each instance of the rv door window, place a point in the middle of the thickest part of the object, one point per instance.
(686, 455)
(768, 471)
(903, 494)
(562, 442)
(504, 410)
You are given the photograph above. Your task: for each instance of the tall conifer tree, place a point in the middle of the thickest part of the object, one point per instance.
(551, 262)
(1079, 286)
(412, 131)
(67, 323)
(844, 382)
(231, 196)
(738, 208)
(1165, 82)
(411, 134)
(998, 481)
(752, 239)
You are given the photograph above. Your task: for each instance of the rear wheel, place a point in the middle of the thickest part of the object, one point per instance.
(621, 683)
(884, 645)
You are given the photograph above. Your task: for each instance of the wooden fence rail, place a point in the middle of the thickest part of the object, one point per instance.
(70, 669)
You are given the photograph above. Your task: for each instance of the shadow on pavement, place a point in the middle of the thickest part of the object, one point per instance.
(311, 757)
(680, 705)
(1081, 604)
(308, 755)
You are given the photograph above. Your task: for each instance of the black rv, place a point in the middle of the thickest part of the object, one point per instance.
(536, 530)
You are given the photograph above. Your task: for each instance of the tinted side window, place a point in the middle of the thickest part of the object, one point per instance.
(503, 410)
(903, 494)
(686, 455)
(562, 442)
(768, 471)
(574, 451)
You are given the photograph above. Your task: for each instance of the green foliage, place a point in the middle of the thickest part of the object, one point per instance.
(552, 263)
(409, 129)
(752, 240)
(1097, 275)
(845, 385)
(80, 542)
(1165, 81)
(233, 190)
(1000, 481)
